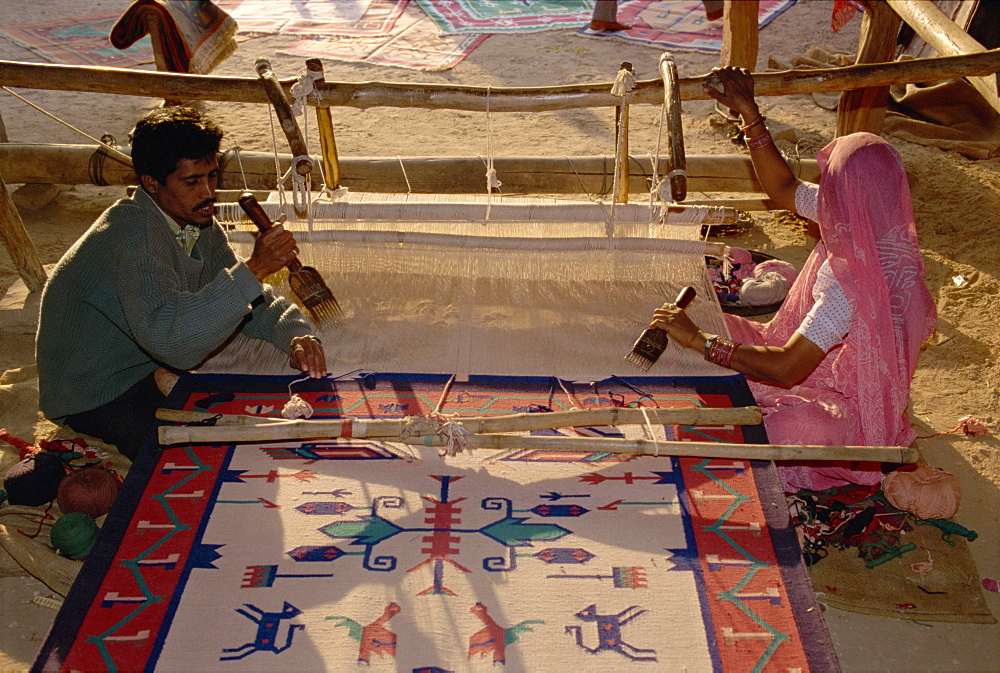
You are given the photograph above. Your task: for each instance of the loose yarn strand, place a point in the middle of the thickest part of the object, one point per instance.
(491, 173)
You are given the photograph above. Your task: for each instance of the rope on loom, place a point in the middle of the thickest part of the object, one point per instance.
(651, 432)
(409, 189)
(491, 173)
(593, 199)
(121, 156)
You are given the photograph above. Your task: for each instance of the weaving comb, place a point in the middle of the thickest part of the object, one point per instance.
(305, 281)
(650, 345)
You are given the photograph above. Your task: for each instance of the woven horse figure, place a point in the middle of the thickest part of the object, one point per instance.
(374, 637)
(493, 638)
(268, 624)
(609, 632)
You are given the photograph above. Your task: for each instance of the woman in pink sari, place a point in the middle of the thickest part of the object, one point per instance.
(834, 365)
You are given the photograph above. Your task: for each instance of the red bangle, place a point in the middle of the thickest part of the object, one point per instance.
(721, 351)
(758, 120)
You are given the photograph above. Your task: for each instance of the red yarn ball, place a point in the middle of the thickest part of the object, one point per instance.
(89, 490)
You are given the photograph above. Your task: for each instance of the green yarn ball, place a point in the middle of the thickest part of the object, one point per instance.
(73, 535)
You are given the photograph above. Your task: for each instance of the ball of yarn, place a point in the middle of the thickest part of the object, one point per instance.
(35, 480)
(925, 492)
(73, 535)
(89, 490)
(770, 288)
(786, 269)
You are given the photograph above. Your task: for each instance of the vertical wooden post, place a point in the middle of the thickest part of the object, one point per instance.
(621, 133)
(19, 246)
(327, 141)
(864, 109)
(739, 34)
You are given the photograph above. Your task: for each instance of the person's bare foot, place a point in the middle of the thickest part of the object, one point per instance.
(608, 25)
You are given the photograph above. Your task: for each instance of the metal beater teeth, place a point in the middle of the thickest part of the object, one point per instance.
(639, 361)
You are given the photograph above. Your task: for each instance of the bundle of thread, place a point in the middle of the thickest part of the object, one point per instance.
(925, 492)
(88, 490)
(728, 273)
(73, 535)
(34, 480)
(769, 283)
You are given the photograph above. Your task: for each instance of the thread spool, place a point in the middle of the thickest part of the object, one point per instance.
(73, 535)
(89, 490)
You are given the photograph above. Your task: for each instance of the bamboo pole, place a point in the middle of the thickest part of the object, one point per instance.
(947, 37)
(676, 159)
(268, 432)
(87, 164)
(864, 109)
(19, 245)
(361, 428)
(364, 95)
(327, 141)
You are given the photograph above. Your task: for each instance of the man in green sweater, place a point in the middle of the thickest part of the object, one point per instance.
(153, 284)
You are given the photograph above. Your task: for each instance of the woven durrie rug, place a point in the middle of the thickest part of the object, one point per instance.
(334, 554)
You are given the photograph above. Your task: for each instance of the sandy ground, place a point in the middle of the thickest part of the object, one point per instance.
(956, 201)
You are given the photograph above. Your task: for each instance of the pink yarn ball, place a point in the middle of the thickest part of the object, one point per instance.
(925, 492)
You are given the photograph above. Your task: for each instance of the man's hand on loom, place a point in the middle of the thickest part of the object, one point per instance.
(308, 355)
(272, 250)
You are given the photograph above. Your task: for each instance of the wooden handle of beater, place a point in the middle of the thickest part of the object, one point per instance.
(248, 202)
(684, 297)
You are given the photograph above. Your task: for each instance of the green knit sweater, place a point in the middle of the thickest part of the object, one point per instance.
(126, 299)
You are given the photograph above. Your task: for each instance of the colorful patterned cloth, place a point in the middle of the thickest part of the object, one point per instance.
(414, 42)
(506, 16)
(677, 25)
(329, 554)
(196, 35)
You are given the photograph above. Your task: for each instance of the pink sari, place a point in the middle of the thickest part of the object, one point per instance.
(858, 394)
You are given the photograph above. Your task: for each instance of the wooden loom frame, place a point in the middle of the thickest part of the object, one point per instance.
(862, 109)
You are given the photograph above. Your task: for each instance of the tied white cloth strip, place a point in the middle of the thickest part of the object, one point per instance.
(296, 407)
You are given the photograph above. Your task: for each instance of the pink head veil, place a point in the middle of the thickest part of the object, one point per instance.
(866, 223)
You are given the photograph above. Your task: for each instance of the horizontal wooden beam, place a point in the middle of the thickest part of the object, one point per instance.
(363, 95)
(581, 175)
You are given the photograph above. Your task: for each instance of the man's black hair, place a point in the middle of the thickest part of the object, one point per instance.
(166, 135)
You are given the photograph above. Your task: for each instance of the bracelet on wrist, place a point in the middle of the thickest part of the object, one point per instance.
(759, 140)
(708, 344)
(721, 351)
(759, 120)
